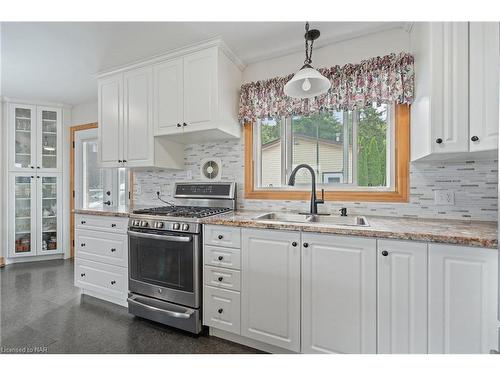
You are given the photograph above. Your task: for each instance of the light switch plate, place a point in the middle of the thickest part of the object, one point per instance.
(444, 197)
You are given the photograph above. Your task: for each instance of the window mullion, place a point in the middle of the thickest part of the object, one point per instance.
(286, 150)
(355, 122)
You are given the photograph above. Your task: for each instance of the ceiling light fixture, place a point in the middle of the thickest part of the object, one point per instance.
(307, 82)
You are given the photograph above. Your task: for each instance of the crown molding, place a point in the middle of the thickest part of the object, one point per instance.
(178, 52)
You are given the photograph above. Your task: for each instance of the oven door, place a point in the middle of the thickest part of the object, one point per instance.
(166, 265)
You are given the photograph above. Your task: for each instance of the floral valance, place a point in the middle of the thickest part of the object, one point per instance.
(378, 80)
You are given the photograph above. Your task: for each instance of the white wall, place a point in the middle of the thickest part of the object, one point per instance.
(84, 113)
(1, 149)
(340, 53)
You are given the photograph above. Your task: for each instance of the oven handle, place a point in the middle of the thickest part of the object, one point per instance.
(173, 314)
(159, 237)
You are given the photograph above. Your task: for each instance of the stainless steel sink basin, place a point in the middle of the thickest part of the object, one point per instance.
(356, 221)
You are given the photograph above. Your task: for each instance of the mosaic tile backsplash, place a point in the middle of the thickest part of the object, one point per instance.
(474, 183)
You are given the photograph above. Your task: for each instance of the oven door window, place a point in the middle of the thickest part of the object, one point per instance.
(160, 262)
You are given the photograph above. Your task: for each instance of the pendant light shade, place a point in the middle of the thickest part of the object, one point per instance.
(307, 82)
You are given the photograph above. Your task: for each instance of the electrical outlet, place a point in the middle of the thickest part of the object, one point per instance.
(444, 197)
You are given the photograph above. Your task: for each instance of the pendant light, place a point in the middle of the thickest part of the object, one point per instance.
(307, 82)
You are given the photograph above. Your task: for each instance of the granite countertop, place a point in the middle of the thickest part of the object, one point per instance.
(120, 211)
(467, 233)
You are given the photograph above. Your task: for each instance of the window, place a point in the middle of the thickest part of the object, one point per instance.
(361, 154)
(94, 185)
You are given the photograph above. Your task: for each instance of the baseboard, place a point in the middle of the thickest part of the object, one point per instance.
(104, 297)
(33, 258)
(248, 342)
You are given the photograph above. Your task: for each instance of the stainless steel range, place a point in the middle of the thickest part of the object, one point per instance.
(165, 254)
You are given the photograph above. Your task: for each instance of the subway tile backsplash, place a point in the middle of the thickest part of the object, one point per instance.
(474, 182)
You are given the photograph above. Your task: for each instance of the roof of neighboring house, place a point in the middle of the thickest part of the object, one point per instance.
(307, 138)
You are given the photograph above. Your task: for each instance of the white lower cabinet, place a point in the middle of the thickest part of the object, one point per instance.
(462, 299)
(270, 287)
(221, 309)
(402, 297)
(101, 257)
(320, 293)
(338, 294)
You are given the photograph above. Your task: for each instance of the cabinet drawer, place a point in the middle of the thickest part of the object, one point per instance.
(222, 236)
(222, 257)
(221, 309)
(102, 223)
(103, 247)
(222, 278)
(102, 278)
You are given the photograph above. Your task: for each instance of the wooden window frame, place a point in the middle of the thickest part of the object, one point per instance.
(401, 171)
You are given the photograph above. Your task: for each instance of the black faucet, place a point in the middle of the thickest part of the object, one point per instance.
(314, 200)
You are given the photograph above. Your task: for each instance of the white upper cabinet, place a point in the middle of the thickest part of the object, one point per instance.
(110, 119)
(35, 138)
(338, 294)
(402, 297)
(168, 96)
(126, 131)
(270, 287)
(138, 140)
(484, 85)
(200, 90)
(452, 94)
(196, 96)
(462, 299)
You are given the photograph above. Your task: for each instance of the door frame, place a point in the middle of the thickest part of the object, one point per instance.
(72, 132)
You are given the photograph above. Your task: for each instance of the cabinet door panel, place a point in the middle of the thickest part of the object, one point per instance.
(402, 297)
(22, 137)
(49, 214)
(168, 97)
(22, 214)
(200, 91)
(462, 299)
(49, 136)
(338, 294)
(110, 121)
(270, 290)
(484, 82)
(138, 139)
(450, 76)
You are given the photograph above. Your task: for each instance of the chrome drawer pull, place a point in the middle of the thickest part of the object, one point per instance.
(174, 314)
(159, 237)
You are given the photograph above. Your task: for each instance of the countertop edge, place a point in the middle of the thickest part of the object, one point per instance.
(100, 213)
(364, 232)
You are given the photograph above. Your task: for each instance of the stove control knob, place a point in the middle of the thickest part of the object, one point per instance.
(185, 226)
(176, 226)
(159, 225)
(144, 223)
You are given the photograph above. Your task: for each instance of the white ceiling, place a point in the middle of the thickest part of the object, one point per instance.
(57, 61)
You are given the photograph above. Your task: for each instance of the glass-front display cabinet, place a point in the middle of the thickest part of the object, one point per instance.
(35, 138)
(35, 210)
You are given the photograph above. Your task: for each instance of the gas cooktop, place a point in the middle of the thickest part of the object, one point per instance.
(195, 212)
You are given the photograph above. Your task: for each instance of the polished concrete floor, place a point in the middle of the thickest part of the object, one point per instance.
(41, 311)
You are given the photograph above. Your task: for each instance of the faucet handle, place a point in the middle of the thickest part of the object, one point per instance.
(343, 211)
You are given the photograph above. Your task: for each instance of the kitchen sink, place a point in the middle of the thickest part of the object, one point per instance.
(355, 221)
